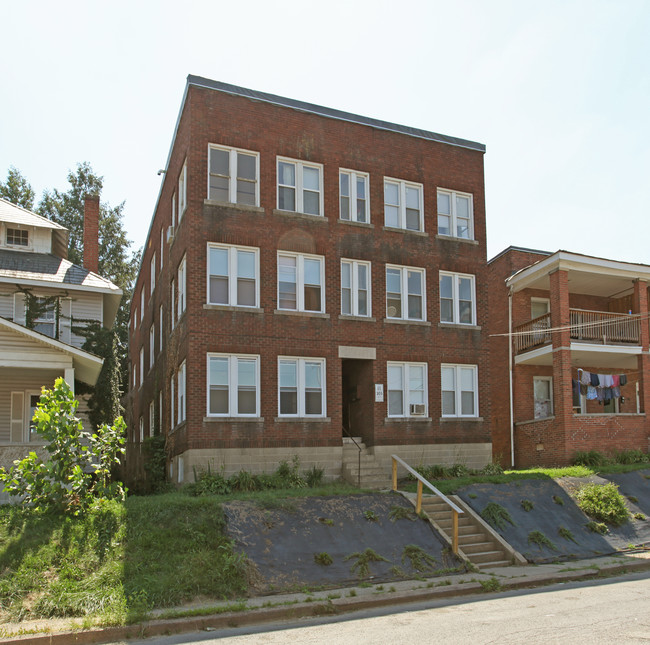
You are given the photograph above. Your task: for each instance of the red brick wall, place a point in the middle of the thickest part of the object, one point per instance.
(214, 117)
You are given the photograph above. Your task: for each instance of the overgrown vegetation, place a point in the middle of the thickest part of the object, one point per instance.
(362, 559)
(597, 527)
(371, 516)
(418, 558)
(603, 502)
(401, 513)
(527, 505)
(538, 538)
(596, 459)
(323, 558)
(490, 585)
(77, 470)
(496, 516)
(437, 472)
(566, 534)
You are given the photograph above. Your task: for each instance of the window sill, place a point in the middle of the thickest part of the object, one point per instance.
(239, 207)
(525, 423)
(456, 419)
(349, 222)
(448, 325)
(407, 419)
(233, 419)
(393, 229)
(302, 419)
(306, 314)
(321, 219)
(248, 310)
(400, 321)
(462, 240)
(359, 318)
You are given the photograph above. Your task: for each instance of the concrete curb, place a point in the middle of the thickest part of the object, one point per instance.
(323, 607)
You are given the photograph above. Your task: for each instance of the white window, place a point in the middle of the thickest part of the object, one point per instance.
(353, 196)
(181, 470)
(32, 399)
(17, 237)
(182, 192)
(172, 407)
(45, 316)
(135, 319)
(233, 275)
(233, 385)
(181, 287)
(172, 308)
(174, 208)
(162, 327)
(141, 430)
(160, 410)
(543, 394)
(152, 420)
(141, 365)
(407, 389)
(152, 344)
(455, 214)
(457, 298)
(162, 246)
(405, 293)
(302, 387)
(403, 205)
(459, 390)
(134, 381)
(300, 186)
(355, 288)
(233, 176)
(181, 403)
(300, 282)
(152, 274)
(142, 303)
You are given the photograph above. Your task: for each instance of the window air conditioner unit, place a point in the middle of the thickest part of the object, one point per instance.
(170, 234)
(417, 409)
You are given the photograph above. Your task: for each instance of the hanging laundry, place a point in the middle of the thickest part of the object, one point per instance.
(585, 379)
(595, 381)
(616, 392)
(616, 380)
(623, 379)
(607, 394)
(591, 393)
(583, 389)
(600, 394)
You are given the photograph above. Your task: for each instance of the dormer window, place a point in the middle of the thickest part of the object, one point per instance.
(17, 237)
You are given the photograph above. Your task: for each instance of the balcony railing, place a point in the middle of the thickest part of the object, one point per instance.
(601, 327)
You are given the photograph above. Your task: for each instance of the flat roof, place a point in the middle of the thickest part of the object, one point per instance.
(331, 113)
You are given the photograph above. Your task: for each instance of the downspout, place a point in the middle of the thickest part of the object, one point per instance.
(512, 413)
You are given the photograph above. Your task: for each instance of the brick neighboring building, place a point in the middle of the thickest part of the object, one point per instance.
(299, 260)
(570, 315)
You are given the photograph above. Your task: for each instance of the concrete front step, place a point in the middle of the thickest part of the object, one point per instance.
(475, 547)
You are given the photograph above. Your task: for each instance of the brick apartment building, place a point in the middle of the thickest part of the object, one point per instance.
(576, 375)
(311, 274)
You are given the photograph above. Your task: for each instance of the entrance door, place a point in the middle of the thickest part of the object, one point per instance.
(357, 398)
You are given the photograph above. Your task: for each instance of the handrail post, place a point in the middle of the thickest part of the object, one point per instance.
(454, 531)
(418, 505)
(394, 473)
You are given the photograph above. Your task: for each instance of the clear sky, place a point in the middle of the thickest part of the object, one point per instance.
(559, 91)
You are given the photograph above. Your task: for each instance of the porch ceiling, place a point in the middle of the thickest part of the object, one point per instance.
(585, 355)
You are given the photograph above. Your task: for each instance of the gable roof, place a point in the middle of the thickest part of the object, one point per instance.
(17, 215)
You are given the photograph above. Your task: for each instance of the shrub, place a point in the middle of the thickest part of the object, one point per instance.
(314, 476)
(208, 483)
(631, 457)
(492, 469)
(244, 481)
(590, 459)
(287, 475)
(458, 470)
(603, 502)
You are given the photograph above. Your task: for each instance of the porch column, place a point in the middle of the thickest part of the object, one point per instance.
(562, 372)
(640, 305)
(68, 377)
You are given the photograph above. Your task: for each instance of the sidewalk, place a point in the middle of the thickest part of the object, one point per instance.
(271, 609)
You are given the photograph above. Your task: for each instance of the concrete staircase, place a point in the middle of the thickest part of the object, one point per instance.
(372, 474)
(476, 541)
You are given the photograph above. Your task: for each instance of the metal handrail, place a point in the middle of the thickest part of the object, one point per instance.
(359, 455)
(455, 510)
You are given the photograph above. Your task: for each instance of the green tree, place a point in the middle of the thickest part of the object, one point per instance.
(117, 263)
(77, 469)
(17, 189)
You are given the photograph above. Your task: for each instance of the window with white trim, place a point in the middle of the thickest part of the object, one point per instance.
(161, 330)
(455, 214)
(233, 385)
(141, 365)
(405, 293)
(141, 437)
(162, 246)
(355, 288)
(353, 196)
(233, 175)
(233, 275)
(45, 319)
(134, 380)
(182, 284)
(301, 383)
(407, 389)
(459, 386)
(152, 420)
(152, 274)
(172, 308)
(182, 192)
(301, 280)
(160, 410)
(300, 186)
(174, 208)
(142, 303)
(17, 237)
(543, 396)
(152, 345)
(457, 298)
(181, 401)
(403, 205)
(172, 399)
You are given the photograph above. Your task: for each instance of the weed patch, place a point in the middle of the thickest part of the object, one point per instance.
(496, 515)
(490, 585)
(371, 516)
(566, 534)
(401, 513)
(418, 558)
(527, 505)
(558, 500)
(639, 516)
(603, 502)
(538, 538)
(362, 562)
(323, 558)
(597, 527)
